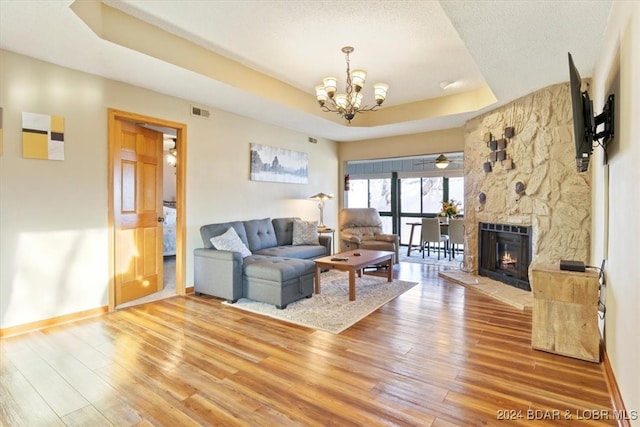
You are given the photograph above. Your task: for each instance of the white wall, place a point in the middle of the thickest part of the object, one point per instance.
(616, 227)
(53, 214)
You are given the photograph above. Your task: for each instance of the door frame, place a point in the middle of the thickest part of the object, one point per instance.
(181, 169)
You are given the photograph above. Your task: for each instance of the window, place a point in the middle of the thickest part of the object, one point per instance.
(411, 194)
(420, 197)
(372, 193)
(456, 191)
(380, 194)
(417, 196)
(358, 194)
(432, 195)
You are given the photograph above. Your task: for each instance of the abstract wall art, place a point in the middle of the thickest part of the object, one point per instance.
(42, 136)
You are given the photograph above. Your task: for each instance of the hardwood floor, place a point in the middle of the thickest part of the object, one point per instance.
(438, 355)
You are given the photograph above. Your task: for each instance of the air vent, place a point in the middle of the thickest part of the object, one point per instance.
(200, 112)
(313, 140)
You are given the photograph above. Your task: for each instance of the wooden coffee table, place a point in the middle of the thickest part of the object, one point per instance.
(354, 263)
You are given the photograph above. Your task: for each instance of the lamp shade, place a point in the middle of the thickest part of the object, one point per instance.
(330, 85)
(380, 92)
(322, 196)
(357, 79)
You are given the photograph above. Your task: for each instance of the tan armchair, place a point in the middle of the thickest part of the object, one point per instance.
(361, 228)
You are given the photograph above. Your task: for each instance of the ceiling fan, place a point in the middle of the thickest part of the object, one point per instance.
(441, 162)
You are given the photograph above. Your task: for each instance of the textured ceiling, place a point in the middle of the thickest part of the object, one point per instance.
(508, 48)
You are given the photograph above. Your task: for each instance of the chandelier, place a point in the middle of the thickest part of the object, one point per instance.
(349, 103)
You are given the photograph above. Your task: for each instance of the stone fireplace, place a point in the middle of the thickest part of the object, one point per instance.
(505, 253)
(555, 206)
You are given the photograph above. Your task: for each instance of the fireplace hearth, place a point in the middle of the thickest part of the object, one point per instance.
(505, 253)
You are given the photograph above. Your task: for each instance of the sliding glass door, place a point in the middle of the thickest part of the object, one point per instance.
(415, 198)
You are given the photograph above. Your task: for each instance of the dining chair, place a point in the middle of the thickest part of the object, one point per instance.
(430, 233)
(456, 235)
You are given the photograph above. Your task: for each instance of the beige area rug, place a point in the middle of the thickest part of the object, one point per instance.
(331, 310)
(510, 295)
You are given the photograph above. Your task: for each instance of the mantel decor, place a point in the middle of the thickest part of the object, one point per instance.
(349, 103)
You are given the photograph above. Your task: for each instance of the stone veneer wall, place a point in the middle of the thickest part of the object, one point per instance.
(557, 200)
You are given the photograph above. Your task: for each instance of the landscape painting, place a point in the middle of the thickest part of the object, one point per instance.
(278, 164)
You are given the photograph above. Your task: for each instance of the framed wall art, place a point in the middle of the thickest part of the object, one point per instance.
(42, 136)
(278, 164)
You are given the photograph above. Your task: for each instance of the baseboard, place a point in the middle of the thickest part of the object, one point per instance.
(614, 391)
(188, 290)
(54, 321)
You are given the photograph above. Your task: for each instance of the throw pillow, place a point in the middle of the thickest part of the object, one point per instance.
(305, 233)
(230, 241)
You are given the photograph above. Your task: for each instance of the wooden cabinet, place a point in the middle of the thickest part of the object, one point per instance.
(565, 312)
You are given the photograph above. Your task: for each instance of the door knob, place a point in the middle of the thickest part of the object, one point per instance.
(160, 219)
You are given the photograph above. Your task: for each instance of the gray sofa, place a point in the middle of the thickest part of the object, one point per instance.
(277, 272)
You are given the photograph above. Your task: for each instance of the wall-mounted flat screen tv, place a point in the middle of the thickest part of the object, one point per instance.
(585, 124)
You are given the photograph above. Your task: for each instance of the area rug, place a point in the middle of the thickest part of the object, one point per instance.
(331, 310)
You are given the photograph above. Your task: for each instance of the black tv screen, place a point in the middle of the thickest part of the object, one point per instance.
(583, 122)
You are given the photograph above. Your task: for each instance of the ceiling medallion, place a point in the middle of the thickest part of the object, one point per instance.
(349, 103)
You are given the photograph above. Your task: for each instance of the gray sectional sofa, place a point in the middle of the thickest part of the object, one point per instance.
(276, 272)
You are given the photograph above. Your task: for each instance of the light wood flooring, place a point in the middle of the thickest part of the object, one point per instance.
(438, 355)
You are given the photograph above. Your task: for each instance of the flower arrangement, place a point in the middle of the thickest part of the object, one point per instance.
(450, 208)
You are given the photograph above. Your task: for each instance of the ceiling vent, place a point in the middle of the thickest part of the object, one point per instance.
(200, 112)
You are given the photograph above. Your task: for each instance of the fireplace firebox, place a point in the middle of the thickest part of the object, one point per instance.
(505, 253)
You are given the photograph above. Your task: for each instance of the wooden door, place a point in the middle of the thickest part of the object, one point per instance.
(137, 178)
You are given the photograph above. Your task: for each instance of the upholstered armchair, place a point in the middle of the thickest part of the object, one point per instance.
(361, 228)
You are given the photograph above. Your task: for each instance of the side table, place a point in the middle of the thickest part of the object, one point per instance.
(332, 232)
(565, 312)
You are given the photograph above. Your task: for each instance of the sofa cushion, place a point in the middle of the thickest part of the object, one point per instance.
(284, 230)
(305, 233)
(260, 234)
(277, 269)
(302, 252)
(229, 241)
(213, 230)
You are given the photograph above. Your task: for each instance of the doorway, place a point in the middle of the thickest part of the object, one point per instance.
(144, 255)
